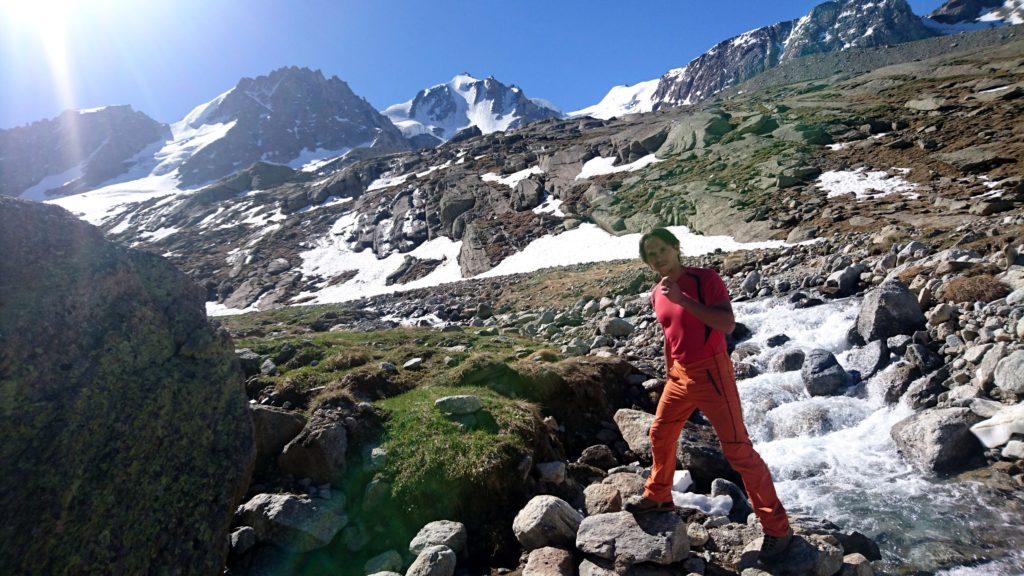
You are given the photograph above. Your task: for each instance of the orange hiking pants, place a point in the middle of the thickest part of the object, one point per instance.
(710, 386)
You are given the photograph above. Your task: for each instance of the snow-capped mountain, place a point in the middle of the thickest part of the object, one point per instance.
(464, 101)
(979, 12)
(291, 116)
(828, 27)
(622, 100)
(75, 151)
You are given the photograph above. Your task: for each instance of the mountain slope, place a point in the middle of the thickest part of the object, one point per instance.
(832, 26)
(961, 12)
(74, 151)
(464, 102)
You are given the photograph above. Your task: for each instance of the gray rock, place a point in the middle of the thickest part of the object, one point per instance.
(697, 534)
(1009, 373)
(938, 440)
(869, 359)
(553, 472)
(986, 372)
(923, 358)
(787, 361)
(390, 561)
(292, 522)
(278, 265)
(549, 561)
(627, 483)
(459, 405)
(413, 364)
(856, 565)
(822, 374)
(546, 521)
(751, 282)
(433, 561)
(602, 499)
(627, 539)
(741, 507)
(889, 310)
(242, 540)
(811, 554)
(615, 327)
(440, 533)
(926, 103)
(599, 456)
(268, 368)
(318, 452)
(273, 428)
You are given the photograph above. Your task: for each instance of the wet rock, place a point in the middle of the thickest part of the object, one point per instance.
(318, 452)
(856, 565)
(440, 533)
(822, 374)
(292, 522)
(889, 310)
(433, 561)
(627, 539)
(787, 361)
(546, 521)
(923, 358)
(744, 370)
(869, 359)
(549, 561)
(938, 440)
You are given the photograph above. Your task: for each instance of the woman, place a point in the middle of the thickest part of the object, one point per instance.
(692, 305)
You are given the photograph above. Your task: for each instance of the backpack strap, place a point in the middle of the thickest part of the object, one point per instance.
(700, 297)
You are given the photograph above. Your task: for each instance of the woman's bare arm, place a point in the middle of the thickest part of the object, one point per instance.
(719, 316)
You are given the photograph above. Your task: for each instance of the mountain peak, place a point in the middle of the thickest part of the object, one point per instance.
(443, 110)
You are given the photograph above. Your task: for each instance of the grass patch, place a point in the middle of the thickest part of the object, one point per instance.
(438, 470)
(980, 288)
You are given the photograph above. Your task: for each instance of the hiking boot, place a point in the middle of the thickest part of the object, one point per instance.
(772, 547)
(642, 505)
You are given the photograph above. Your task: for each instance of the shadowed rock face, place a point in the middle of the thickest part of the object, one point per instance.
(102, 143)
(956, 11)
(127, 440)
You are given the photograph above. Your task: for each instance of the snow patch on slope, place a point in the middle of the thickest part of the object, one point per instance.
(622, 100)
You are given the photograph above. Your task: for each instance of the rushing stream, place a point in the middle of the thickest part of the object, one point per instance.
(833, 457)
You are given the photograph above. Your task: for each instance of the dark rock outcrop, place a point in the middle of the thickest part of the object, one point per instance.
(127, 437)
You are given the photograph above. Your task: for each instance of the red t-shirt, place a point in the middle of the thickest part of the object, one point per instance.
(687, 339)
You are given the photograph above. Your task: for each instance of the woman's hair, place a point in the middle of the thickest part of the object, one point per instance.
(661, 234)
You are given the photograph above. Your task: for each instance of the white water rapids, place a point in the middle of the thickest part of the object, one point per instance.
(833, 457)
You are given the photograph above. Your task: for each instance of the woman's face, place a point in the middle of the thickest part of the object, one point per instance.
(661, 257)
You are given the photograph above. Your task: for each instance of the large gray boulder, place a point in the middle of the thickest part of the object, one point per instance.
(822, 374)
(127, 440)
(1009, 373)
(869, 359)
(627, 539)
(440, 533)
(889, 310)
(938, 440)
(546, 521)
(293, 522)
(318, 453)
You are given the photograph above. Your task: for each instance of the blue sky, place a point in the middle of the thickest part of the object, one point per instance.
(165, 57)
